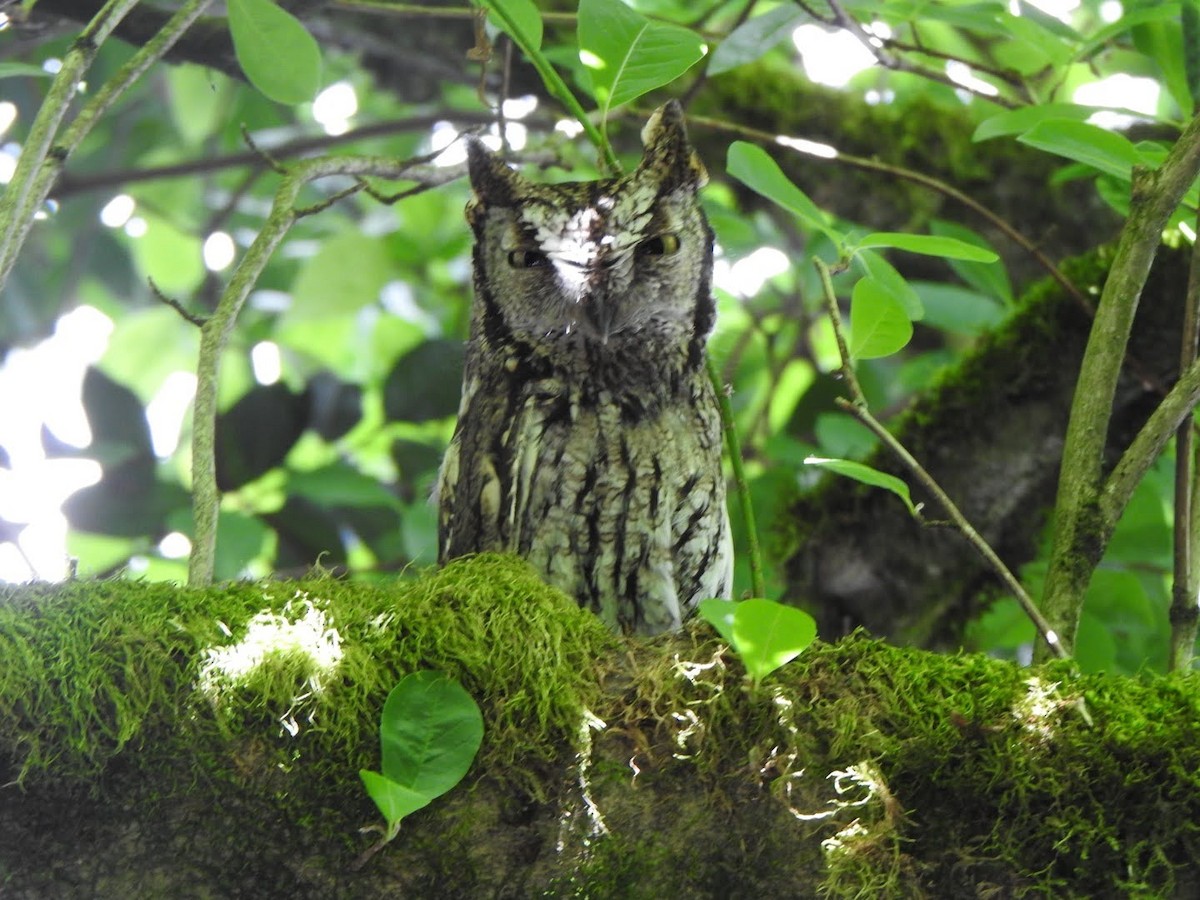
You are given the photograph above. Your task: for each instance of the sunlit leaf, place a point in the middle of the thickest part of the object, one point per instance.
(755, 37)
(892, 281)
(627, 55)
(1022, 119)
(1097, 147)
(878, 324)
(754, 167)
(519, 19)
(929, 245)
(327, 285)
(719, 614)
(867, 475)
(276, 52)
(768, 635)
(430, 731)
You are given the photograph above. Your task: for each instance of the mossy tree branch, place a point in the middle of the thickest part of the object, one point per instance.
(1087, 508)
(217, 329)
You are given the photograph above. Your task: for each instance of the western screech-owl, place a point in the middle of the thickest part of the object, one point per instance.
(588, 437)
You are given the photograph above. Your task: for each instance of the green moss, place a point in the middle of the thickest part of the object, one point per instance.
(976, 778)
(91, 669)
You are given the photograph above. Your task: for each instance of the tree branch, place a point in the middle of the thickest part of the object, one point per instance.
(1080, 537)
(217, 329)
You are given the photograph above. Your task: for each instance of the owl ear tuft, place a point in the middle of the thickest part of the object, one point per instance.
(494, 183)
(669, 154)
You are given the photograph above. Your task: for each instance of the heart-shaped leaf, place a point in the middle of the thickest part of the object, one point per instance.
(430, 731)
(768, 635)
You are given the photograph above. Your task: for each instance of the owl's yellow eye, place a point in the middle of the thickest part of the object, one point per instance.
(527, 259)
(659, 245)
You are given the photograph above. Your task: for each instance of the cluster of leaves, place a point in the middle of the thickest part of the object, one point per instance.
(366, 304)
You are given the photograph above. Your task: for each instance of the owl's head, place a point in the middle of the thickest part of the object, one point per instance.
(617, 260)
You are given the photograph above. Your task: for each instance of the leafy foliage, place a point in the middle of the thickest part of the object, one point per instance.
(364, 303)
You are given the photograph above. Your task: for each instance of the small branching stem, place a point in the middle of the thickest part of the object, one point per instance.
(45, 152)
(857, 407)
(216, 331)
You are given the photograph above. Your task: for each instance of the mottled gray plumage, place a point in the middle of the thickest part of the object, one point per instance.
(588, 437)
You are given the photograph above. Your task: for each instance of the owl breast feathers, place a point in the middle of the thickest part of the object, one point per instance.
(588, 437)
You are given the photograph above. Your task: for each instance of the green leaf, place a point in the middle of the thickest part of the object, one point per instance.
(719, 614)
(1018, 121)
(1161, 41)
(754, 167)
(892, 282)
(984, 277)
(958, 309)
(173, 259)
(1191, 49)
(754, 38)
(768, 635)
(627, 55)
(866, 475)
(765, 634)
(395, 801)
(278, 55)
(1092, 145)
(878, 324)
(929, 245)
(327, 286)
(430, 731)
(520, 20)
(22, 70)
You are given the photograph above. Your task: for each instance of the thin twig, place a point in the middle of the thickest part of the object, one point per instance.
(184, 313)
(857, 407)
(899, 64)
(21, 200)
(733, 447)
(217, 329)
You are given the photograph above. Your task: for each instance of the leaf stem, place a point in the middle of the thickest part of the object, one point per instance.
(555, 84)
(733, 446)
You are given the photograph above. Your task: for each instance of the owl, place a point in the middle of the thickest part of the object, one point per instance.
(588, 437)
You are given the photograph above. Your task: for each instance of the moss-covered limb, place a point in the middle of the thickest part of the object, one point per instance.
(1088, 505)
(990, 432)
(859, 769)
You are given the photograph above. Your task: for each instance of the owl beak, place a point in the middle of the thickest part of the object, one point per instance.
(598, 315)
